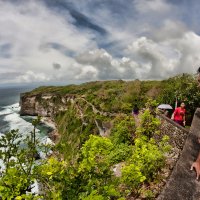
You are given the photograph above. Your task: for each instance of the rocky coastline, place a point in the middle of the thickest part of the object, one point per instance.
(53, 135)
(45, 106)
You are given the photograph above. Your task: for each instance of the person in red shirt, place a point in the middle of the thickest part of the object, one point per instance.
(179, 115)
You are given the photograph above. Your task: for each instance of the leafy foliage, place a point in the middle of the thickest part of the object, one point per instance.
(83, 162)
(123, 129)
(183, 87)
(89, 175)
(120, 153)
(149, 124)
(18, 156)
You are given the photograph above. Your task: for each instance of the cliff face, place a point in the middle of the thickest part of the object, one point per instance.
(45, 105)
(27, 105)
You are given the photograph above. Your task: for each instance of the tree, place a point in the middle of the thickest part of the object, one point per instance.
(19, 157)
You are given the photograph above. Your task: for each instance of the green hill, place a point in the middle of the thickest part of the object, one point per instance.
(102, 152)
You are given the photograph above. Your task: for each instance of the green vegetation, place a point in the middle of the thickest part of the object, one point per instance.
(83, 163)
(18, 156)
(120, 96)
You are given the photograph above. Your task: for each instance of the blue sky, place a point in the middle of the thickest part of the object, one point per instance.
(85, 40)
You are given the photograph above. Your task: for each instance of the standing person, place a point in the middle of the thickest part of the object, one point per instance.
(135, 113)
(198, 77)
(179, 115)
(135, 110)
(196, 164)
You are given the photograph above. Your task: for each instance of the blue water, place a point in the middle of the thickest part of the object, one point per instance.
(10, 119)
(9, 112)
(9, 96)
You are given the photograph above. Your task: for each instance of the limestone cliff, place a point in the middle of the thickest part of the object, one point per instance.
(45, 105)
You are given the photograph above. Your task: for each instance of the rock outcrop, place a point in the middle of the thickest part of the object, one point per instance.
(45, 105)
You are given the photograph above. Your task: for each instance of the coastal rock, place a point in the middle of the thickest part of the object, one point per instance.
(27, 104)
(45, 105)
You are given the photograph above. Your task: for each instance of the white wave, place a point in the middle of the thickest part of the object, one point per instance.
(12, 117)
(5, 111)
(35, 187)
(10, 109)
(47, 141)
(16, 122)
(14, 107)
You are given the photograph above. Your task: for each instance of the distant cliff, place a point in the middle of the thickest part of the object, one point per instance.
(45, 105)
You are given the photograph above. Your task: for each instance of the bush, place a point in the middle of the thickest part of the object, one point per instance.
(120, 153)
(123, 130)
(148, 156)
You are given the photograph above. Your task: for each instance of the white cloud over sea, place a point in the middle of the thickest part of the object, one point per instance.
(65, 40)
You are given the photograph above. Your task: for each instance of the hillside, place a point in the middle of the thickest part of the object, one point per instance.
(120, 96)
(101, 151)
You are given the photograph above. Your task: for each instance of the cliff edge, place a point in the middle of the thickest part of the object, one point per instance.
(43, 104)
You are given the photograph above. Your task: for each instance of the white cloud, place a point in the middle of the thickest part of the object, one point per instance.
(87, 72)
(153, 43)
(170, 50)
(168, 57)
(104, 66)
(146, 6)
(30, 76)
(29, 26)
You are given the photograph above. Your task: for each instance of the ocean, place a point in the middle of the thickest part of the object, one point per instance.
(9, 113)
(10, 119)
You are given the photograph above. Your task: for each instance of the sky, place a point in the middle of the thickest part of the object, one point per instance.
(73, 41)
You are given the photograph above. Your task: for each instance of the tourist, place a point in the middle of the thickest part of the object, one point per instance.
(135, 113)
(135, 110)
(198, 78)
(179, 115)
(196, 164)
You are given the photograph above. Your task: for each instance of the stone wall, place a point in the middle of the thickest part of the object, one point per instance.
(182, 184)
(177, 137)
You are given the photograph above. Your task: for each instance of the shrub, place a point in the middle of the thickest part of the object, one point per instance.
(123, 130)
